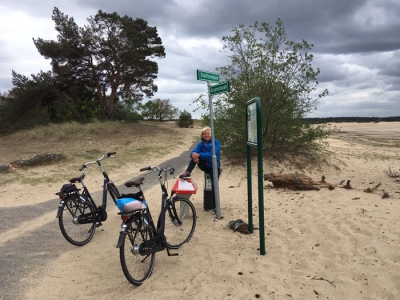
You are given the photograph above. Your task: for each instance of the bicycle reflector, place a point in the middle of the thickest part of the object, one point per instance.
(63, 196)
(125, 217)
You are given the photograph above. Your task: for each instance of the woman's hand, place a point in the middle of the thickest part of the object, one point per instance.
(196, 157)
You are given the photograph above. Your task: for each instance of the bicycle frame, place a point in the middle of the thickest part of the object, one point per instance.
(99, 214)
(158, 242)
(161, 219)
(140, 238)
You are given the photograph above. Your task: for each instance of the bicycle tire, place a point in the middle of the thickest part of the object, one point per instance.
(136, 267)
(75, 233)
(180, 225)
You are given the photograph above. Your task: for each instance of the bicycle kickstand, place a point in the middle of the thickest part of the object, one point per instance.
(171, 254)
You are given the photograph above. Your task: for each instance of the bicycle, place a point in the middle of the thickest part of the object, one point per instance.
(78, 215)
(140, 238)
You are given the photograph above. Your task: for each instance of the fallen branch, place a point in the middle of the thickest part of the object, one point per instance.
(348, 186)
(241, 181)
(40, 159)
(292, 181)
(4, 167)
(331, 282)
(369, 190)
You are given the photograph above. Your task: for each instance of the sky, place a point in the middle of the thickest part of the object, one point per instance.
(356, 44)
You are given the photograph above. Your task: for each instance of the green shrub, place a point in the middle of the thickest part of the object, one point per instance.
(185, 120)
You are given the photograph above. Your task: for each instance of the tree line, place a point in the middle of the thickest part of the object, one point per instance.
(105, 69)
(351, 119)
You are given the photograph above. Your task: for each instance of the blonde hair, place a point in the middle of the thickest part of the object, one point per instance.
(204, 129)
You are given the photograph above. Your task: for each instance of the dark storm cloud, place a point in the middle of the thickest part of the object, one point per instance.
(329, 69)
(391, 65)
(333, 26)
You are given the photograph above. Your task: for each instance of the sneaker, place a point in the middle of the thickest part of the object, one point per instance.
(185, 174)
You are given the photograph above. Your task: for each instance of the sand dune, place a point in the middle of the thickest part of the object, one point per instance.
(327, 244)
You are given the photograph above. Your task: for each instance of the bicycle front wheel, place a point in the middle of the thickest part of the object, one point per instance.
(75, 233)
(136, 267)
(180, 225)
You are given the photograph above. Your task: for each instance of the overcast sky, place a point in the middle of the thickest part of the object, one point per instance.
(356, 43)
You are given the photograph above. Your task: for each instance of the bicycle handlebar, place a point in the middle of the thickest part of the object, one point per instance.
(155, 169)
(107, 155)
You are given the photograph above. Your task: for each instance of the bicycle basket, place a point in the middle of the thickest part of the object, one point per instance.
(68, 188)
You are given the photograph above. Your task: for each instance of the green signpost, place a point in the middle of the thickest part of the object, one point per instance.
(212, 77)
(220, 88)
(254, 139)
(207, 76)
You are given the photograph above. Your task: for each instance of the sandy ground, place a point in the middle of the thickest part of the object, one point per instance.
(327, 244)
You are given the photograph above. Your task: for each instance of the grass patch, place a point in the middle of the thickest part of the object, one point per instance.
(134, 142)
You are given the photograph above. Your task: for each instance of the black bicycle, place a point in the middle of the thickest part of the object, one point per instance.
(78, 215)
(140, 238)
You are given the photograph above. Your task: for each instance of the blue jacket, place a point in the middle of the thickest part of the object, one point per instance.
(205, 150)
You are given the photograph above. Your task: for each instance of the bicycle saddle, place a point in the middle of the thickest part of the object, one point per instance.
(77, 179)
(136, 182)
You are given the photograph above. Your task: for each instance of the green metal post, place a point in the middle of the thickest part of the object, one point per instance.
(259, 145)
(260, 177)
(249, 190)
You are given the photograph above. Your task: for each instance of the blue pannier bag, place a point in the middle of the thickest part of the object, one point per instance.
(130, 204)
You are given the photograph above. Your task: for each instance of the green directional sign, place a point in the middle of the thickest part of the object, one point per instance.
(220, 88)
(207, 76)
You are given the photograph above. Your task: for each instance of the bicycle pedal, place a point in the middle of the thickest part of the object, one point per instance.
(99, 224)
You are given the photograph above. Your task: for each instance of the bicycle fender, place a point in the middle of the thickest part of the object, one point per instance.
(121, 236)
(60, 209)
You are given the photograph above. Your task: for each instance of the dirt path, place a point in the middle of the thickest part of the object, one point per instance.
(30, 237)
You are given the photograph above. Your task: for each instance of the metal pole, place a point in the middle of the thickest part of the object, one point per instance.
(249, 190)
(260, 177)
(214, 157)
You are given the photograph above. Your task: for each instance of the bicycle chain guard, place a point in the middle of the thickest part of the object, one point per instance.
(152, 246)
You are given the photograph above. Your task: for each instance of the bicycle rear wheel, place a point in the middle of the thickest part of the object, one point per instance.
(75, 233)
(136, 267)
(180, 225)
